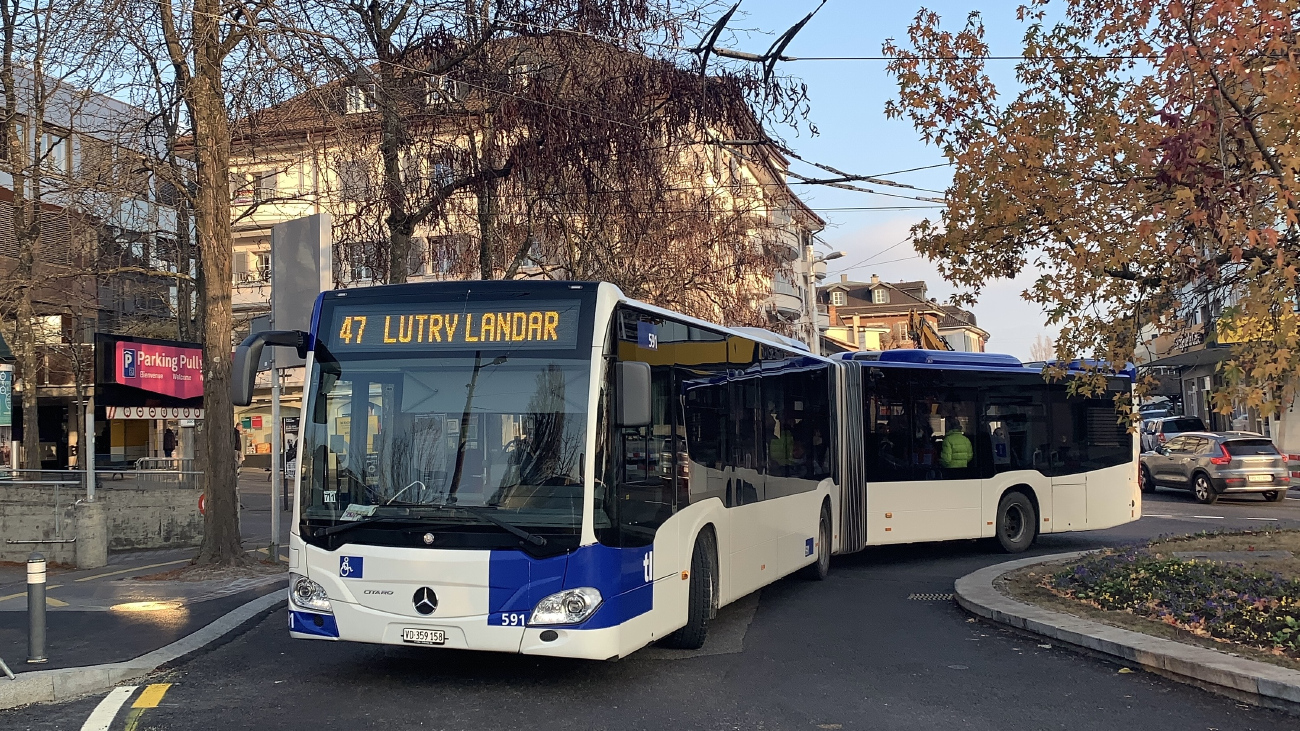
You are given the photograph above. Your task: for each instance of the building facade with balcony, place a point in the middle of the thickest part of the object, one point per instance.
(877, 315)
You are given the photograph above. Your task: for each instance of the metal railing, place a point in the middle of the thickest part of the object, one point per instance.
(181, 464)
(182, 479)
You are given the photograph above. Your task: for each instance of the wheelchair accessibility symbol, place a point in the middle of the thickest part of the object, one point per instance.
(351, 567)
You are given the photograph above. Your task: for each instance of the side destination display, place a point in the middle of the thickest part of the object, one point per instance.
(448, 325)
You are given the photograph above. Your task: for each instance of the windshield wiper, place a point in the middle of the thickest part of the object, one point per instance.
(344, 527)
(487, 515)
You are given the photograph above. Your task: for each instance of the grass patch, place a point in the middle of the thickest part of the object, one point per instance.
(1242, 604)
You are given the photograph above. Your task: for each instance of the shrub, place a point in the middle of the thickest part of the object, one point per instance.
(1224, 602)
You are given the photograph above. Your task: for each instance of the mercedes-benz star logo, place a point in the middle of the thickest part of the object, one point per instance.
(425, 600)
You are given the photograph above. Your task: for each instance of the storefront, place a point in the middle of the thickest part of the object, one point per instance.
(1195, 357)
(8, 448)
(149, 398)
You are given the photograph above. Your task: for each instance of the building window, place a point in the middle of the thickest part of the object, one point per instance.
(521, 75)
(880, 296)
(360, 99)
(440, 90)
(267, 186)
(354, 180)
(839, 299)
(55, 152)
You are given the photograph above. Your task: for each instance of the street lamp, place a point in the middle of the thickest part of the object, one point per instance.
(810, 298)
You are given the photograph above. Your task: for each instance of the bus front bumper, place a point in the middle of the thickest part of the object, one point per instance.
(355, 623)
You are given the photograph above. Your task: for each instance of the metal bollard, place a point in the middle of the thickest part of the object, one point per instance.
(36, 609)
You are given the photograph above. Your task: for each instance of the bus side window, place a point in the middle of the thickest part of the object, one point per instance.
(889, 432)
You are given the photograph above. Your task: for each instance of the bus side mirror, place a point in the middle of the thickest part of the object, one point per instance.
(633, 380)
(248, 355)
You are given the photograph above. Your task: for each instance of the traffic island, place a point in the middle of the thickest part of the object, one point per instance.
(1007, 594)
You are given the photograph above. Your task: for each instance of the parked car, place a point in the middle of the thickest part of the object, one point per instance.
(1159, 431)
(1210, 464)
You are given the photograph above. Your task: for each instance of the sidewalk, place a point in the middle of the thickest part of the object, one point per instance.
(1213, 670)
(106, 615)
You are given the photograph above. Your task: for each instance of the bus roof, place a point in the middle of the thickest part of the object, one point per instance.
(957, 360)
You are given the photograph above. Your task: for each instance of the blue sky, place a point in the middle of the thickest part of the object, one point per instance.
(848, 99)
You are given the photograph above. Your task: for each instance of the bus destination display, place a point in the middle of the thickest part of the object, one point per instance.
(543, 324)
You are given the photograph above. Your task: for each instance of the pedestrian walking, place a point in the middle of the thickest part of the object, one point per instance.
(169, 442)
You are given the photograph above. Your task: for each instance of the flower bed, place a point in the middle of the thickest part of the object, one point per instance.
(1220, 601)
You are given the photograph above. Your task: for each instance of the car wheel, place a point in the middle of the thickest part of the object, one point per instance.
(1147, 483)
(702, 597)
(818, 570)
(1204, 490)
(1017, 522)
(1275, 496)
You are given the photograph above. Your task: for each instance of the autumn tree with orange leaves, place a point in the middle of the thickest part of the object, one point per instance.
(1146, 162)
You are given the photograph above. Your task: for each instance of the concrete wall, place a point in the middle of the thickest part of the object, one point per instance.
(131, 517)
(28, 514)
(156, 517)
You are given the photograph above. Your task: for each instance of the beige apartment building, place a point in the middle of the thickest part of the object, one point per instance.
(317, 153)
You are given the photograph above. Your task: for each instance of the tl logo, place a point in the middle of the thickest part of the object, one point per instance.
(648, 566)
(128, 363)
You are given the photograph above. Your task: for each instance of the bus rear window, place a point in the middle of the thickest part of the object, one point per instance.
(1249, 447)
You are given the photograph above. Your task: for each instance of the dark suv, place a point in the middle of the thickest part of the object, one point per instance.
(1210, 464)
(1159, 431)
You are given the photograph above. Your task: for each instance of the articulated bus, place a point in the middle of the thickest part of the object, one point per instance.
(552, 468)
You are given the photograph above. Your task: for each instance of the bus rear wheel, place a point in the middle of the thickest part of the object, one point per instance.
(1017, 522)
(819, 569)
(702, 596)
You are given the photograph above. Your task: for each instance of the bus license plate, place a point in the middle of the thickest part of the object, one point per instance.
(424, 636)
(1260, 478)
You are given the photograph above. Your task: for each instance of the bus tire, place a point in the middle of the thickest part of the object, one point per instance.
(1017, 522)
(819, 569)
(702, 596)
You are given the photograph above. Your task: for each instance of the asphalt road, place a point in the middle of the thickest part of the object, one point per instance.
(867, 649)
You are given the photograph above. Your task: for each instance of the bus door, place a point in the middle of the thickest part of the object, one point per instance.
(752, 551)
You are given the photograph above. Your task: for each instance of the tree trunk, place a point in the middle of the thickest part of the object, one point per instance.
(221, 537)
(25, 354)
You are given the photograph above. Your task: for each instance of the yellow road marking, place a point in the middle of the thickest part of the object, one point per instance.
(15, 596)
(151, 696)
(134, 568)
(51, 601)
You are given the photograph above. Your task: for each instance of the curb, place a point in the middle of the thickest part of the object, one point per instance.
(1218, 672)
(49, 686)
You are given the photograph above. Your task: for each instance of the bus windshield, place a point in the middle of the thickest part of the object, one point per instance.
(458, 441)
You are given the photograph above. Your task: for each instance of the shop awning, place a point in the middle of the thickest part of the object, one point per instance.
(1202, 356)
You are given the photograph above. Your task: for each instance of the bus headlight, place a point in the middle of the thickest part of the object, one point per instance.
(570, 606)
(307, 594)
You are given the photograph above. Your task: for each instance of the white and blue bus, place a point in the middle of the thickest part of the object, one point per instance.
(552, 468)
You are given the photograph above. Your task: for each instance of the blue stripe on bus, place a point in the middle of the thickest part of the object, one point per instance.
(518, 581)
(305, 623)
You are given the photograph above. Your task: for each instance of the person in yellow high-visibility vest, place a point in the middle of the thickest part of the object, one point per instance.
(956, 452)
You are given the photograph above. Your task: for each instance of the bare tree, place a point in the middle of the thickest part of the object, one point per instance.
(1042, 349)
(542, 138)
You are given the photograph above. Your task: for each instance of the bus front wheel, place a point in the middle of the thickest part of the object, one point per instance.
(702, 596)
(1017, 522)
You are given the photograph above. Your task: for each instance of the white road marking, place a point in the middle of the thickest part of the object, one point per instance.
(102, 717)
(1209, 517)
(1273, 519)
(1156, 515)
